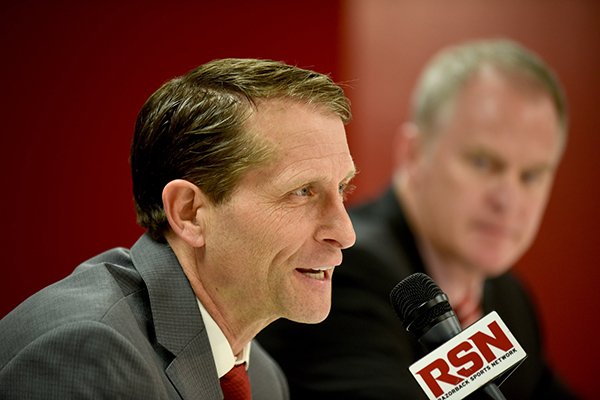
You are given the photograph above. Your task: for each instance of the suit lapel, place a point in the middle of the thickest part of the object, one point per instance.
(177, 320)
(189, 370)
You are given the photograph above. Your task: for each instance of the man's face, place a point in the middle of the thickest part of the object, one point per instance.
(483, 183)
(274, 245)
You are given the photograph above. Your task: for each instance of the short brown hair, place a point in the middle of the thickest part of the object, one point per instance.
(192, 128)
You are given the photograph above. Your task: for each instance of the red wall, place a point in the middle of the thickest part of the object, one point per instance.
(385, 46)
(74, 76)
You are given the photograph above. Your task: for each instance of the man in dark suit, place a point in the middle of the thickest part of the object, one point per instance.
(475, 167)
(239, 170)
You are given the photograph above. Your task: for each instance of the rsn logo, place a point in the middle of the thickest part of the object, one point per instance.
(469, 360)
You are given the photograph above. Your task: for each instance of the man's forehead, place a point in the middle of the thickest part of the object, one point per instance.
(291, 126)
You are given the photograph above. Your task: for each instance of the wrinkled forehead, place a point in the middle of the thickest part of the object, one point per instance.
(288, 124)
(301, 134)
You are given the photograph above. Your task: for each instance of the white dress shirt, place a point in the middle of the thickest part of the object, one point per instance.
(225, 360)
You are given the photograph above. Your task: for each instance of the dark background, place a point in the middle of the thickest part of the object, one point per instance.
(74, 75)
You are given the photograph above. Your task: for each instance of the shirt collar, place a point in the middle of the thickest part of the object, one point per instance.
(223, 355)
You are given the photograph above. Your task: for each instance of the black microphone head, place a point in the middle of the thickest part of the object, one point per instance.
(410, 298)
(426, 313)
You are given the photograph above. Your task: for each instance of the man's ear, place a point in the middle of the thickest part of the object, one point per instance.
(406, 146)
(185, 206)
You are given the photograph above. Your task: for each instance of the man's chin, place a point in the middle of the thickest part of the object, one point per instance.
(495, 268)
(311, 317)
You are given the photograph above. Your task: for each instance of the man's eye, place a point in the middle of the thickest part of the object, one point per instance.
(303, 191)
(346, 189)
(481, 162)
(529, 177)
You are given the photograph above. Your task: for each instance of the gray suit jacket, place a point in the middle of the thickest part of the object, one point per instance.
(124, 325)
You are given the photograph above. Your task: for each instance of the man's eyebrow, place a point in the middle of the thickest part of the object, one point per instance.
(485, 152)
(351, 175)
(541, 167)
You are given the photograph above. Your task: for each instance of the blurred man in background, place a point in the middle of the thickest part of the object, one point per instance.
(475, 166)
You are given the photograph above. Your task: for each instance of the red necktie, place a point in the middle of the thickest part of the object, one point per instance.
(235, 384)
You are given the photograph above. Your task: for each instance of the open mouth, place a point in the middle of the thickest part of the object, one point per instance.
(319, 274)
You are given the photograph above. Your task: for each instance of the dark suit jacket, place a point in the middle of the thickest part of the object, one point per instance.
(124, 325)
(361, 351)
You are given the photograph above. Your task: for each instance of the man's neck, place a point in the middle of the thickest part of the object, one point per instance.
(237, 331)
(462, 284)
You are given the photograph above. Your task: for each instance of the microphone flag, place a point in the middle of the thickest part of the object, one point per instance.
(477, 355)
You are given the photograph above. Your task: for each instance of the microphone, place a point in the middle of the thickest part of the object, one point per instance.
(426, 314)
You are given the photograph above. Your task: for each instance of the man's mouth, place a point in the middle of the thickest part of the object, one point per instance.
(320, 274)
(497, 231)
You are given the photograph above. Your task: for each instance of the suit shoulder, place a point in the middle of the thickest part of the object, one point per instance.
(89, 294)
(267, 378)
(79, 358)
